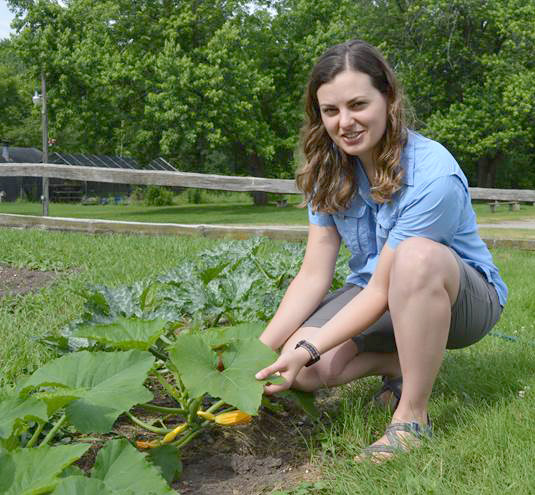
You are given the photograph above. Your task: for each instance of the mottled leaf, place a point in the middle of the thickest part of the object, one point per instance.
(124, 333)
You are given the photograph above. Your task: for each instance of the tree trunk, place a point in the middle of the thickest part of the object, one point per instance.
(257, 170)
(486, 170)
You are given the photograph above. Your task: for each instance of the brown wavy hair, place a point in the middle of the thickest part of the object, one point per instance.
(327, 177)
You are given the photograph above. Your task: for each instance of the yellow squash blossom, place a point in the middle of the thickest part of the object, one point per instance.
(144, 444)
(206, 415)
(172, 434)
(228, 418)
(233, 418)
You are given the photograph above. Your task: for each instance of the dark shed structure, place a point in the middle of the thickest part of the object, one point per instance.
(16, 187)
(63, 190)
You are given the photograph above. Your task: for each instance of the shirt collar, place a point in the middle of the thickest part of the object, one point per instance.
(407, 163)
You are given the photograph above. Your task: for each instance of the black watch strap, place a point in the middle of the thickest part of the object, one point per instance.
(314, 354)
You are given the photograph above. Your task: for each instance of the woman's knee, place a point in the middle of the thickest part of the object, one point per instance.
(421, 263)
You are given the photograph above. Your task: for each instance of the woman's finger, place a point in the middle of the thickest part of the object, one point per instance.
(263, 374)
(274, 389)
(272, 369)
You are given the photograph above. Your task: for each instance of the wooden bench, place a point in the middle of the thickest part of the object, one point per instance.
(513, 205)
(498, 197)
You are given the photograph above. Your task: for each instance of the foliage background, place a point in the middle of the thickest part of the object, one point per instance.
(216, 86)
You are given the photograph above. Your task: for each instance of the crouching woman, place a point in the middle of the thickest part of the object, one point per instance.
(422, 280)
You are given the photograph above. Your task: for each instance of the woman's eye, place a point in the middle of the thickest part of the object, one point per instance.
(329, 111)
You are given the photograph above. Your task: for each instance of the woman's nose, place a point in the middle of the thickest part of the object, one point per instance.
(346, 118)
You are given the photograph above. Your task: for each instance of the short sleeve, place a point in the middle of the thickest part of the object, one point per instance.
(433, 211)
(321, 219)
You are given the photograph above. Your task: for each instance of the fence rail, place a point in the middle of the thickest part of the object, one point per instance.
(149, 177)
(205, 181)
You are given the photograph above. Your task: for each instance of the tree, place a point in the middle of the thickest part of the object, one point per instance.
(466, 66)
(19, 124)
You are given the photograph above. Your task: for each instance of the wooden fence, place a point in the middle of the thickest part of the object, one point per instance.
(149, 177)
(205, 181)
(202, 181)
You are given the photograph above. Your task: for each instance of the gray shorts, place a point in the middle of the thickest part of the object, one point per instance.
(474, 313)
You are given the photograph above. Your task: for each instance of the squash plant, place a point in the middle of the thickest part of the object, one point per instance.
(154, 331)
(209, 376)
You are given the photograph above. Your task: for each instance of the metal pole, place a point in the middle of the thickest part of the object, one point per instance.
(44, 116)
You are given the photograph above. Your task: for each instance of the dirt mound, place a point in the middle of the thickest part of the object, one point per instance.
(20, 280)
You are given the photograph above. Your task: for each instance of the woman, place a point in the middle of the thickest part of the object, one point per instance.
(421, 278)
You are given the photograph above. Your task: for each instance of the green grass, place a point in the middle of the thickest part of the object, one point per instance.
(484, 215)
(219, 213)
(229, 208)
(483, 404)
(520, 234)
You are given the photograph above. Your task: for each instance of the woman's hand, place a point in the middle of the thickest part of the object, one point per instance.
(288, 365)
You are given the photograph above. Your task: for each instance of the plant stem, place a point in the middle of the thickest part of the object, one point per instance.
(169, 410)
(216, 406)
(178, 380)
(54, 430)
(165, 340)
(188, 438)
(169, 389)
(146, 426)
(261, 268)
(35, 435)
(158, 354)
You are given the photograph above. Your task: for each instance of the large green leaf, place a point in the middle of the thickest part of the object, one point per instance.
(57, 398)
(16, 410)
(122, 467)
(220, 336)
(124, 333)
(35, 471)
(110, 383)
(236, 384)
(167, 460)
(80, 485)
(304, 399)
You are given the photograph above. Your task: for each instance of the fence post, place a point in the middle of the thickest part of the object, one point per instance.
(44, 118)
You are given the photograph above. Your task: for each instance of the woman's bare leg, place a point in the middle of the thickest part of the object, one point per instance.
(424, 283)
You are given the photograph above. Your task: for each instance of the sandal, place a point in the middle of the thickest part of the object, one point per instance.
(400, 443)
(392, 385)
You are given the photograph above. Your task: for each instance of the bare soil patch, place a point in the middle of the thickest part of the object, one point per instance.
(271, 453)
(15, 281)
(268, 454)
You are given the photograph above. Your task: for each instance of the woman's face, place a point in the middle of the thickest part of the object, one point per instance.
(354, 114)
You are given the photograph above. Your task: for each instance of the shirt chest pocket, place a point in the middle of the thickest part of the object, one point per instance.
(353, 226)
(385, 223)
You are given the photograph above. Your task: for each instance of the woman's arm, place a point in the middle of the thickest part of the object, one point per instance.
(308, 288)
(354, 318)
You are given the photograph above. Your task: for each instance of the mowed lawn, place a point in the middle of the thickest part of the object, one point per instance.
(236, 210)
(483, 404)
(235, 213)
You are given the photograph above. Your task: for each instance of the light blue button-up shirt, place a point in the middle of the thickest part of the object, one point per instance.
(433, 202)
